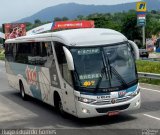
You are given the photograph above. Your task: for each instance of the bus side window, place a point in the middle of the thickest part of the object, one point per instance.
(9, 52)
(41, 54)
(47, 54)
(14, 51)
(23, 50)
(62, 62)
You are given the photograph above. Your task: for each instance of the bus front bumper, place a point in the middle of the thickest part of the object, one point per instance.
(87, 110)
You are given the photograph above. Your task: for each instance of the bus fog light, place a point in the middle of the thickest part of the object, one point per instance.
(85, 110)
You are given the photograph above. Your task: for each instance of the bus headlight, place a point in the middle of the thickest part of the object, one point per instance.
(136, 92)
(85, 100)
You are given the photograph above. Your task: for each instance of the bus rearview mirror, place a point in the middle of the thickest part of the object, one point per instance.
(135, 49)
(69, 58)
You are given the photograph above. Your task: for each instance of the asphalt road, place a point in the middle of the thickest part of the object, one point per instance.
(33, 114)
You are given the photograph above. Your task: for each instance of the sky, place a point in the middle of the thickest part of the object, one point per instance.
(12, 10)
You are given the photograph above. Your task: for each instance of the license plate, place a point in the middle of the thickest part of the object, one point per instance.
(112, 113)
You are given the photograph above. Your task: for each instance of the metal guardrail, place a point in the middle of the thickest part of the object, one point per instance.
(150, 59)
(148, 75)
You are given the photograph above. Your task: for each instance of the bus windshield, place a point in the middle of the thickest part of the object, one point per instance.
(107, 68)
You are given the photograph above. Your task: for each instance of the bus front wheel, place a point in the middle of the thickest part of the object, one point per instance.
(59, 105)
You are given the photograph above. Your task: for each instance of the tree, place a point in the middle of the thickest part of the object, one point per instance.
(130, 28)
(1, 40)
(57, 19)
(28, 24)
(64, 19)
(80, 17)
(152, 25)
(99, 19)
(104, 21)
(37, 21)
(153, 11)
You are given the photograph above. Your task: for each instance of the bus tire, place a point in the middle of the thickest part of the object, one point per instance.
(22, 91)
(58, 105)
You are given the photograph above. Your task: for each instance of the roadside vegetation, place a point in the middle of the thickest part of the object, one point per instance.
(149, 67)
(2, 56)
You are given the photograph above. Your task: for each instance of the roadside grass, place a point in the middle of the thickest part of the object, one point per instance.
(148, 67)
(2, 56)
(149, 81)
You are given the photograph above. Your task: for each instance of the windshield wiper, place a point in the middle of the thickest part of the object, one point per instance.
(114, 71)
(119, 77)
(104, 70)
(100, 79)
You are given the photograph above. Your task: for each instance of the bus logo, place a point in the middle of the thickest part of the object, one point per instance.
(113, 101)
(31, 75)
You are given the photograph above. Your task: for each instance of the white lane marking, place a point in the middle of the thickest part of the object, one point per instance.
(153, 117)
(150, 89)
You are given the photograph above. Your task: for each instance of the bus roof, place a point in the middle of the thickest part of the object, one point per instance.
(76, 37)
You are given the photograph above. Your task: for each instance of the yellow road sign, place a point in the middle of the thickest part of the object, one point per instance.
(141, 7)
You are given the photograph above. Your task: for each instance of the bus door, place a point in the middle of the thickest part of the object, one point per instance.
(68, 100)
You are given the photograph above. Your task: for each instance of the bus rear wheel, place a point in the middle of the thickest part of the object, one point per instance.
(22, 92)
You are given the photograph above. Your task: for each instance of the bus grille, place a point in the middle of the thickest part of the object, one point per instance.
(115, 108)
(118, 100)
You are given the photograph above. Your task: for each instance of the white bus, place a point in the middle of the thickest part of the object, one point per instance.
(84, 72)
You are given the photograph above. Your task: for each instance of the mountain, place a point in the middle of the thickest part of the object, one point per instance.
(72, 10)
